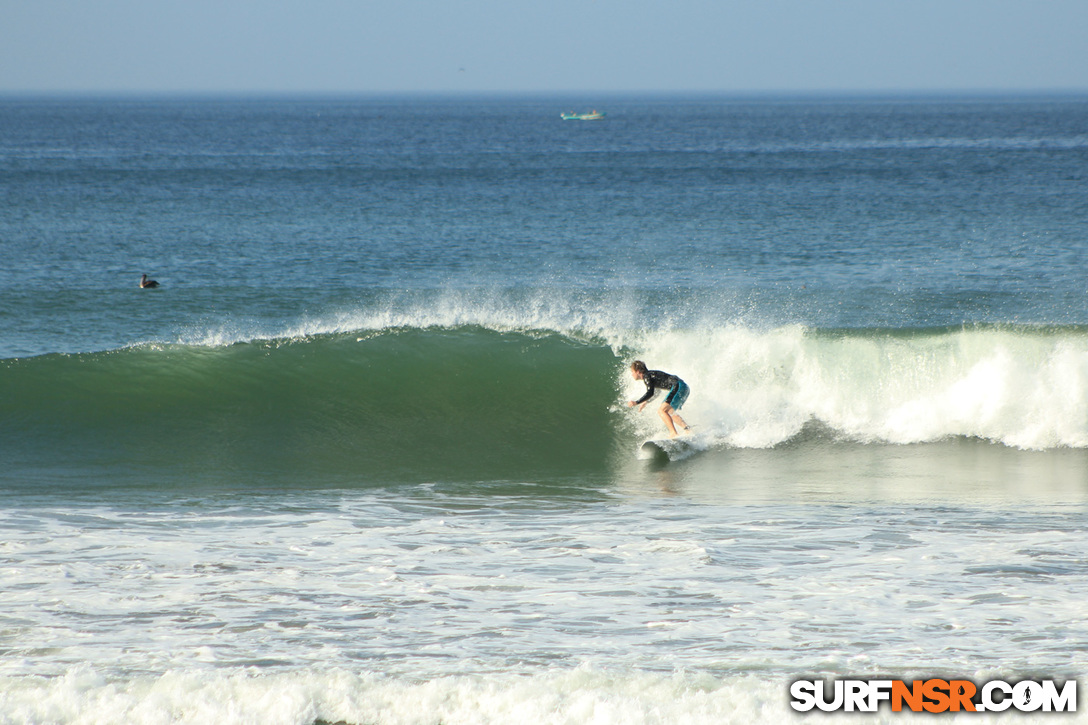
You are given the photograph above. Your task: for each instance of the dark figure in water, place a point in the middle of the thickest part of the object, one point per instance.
(146, 283)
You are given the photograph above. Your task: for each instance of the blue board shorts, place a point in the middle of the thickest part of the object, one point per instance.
(678, 395)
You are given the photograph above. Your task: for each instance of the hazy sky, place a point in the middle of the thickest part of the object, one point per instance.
(322, 46)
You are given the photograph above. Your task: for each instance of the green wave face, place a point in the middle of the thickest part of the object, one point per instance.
(467, 403)
(400, 405)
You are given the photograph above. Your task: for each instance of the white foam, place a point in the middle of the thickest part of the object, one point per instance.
(753, 388)
(243, 697)
(366, 607)
(583, 696)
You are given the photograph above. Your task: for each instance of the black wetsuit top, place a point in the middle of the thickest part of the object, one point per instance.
(655, 379)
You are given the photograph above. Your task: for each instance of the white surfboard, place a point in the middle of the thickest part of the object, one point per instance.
(669, 449)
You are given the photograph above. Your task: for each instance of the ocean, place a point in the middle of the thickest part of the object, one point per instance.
(365, 455)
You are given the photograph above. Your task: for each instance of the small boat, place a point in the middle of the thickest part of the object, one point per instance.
(591, 116)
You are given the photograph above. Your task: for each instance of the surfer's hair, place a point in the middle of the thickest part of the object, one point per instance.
(639, 366)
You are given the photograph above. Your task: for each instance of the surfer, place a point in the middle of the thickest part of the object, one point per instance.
(146, 283)
(678, 393)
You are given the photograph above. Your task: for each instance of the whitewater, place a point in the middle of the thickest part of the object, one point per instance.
(365, 456)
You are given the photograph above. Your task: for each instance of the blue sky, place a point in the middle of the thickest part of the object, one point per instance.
(545, 46)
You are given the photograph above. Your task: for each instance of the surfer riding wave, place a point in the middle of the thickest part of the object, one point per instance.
(678, 394)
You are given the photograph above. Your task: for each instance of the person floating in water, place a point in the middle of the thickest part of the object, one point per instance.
(146, 283)
(678, 393)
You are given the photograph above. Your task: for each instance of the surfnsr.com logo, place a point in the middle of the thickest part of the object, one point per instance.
(933, 695)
